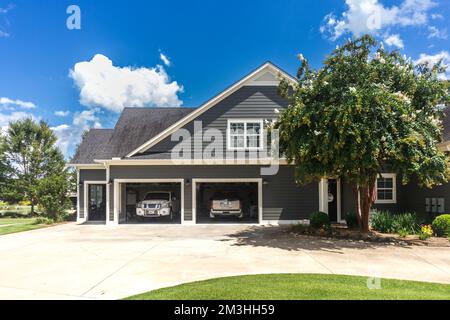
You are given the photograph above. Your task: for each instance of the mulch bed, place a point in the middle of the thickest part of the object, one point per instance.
(342, 232)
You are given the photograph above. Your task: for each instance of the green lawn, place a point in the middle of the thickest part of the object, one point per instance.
(13, 225)
(297, 287)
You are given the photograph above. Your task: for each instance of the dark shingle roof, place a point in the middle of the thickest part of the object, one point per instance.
(134, 127)
(138, 125)
(93, 146)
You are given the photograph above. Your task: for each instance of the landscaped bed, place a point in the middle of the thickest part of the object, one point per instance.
(298, 287)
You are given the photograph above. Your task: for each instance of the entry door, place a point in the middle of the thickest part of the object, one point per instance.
(97, 202)
(332, 199)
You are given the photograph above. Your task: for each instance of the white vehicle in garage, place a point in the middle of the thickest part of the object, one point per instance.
(156, 204)
(226, 204)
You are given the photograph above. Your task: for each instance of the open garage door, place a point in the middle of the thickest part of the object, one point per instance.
(150, 202)
(227, 202)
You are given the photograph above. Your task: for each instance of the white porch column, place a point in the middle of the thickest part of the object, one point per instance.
(323, 195)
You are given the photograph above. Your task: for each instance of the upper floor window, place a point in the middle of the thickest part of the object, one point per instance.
(386, 189)
(245, 134)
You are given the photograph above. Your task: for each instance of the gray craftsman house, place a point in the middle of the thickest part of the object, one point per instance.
(167, 151)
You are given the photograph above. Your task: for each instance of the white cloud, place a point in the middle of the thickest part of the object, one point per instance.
(165, 59)
(394, 40)
(70, 135)
(102, 84)
(62, 113)
(5, 119)
(437, 33)
(4, 34)
(371, 16)
(7, 102)
(437, 16)
(430, 60)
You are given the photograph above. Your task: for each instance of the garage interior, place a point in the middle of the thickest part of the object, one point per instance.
(247, 192)
(133, 193)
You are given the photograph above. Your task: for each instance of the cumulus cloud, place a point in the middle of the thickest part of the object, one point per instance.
(394, 40)
(371, 16)
(430, 60)
(165, 59)
(11, 103)
(6, 118)
(62, 113)
(437, 33)
(4, 34)
(70, 135)
(102, 84)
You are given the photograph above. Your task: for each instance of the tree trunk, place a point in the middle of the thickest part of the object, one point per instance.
(358, 207)
(364, 198)
(32, 208)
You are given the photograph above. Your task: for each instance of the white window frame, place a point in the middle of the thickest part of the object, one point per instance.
(245, 122)
(394, 189)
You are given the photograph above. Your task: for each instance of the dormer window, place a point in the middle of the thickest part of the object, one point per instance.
(245, 134)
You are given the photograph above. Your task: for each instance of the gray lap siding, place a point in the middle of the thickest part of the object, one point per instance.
(88, 175)
(282, 198)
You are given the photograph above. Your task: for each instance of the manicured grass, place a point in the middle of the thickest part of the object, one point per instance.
(13, 225)
(298, 287)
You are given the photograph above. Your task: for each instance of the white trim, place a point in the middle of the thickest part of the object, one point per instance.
(78, 194)
(394, 189)
(234, 180)
(323, 198)
(117, 183)
(339, 202)
(245, 122)
(93, 166)
(86, 200)
(193, 162)
(214, 101)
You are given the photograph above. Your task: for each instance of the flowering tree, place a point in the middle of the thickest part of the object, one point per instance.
(365, 111)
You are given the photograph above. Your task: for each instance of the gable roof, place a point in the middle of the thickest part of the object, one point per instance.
(93, 145)
(256, 77)
(134, 127)
(137, 125)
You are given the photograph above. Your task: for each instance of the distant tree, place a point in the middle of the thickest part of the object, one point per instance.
(4, 169)
(365, 111)
(31, 155)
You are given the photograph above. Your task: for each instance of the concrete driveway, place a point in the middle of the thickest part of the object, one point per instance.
(102, 262)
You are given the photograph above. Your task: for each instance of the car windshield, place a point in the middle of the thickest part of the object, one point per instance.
(157, 196)
(228, 196)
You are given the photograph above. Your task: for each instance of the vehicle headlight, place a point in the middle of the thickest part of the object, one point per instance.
(164, 205)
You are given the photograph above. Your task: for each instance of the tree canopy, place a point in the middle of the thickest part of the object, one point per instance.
(364, 112)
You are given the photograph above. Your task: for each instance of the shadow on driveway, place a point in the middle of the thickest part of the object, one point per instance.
(282, 238)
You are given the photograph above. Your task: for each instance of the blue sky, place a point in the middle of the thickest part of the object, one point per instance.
(180, 53)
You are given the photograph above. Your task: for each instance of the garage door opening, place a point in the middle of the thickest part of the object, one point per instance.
(150, 203)
(227, 202)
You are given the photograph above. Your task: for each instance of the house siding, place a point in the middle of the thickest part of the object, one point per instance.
(283, 199)
(88, 175)
(249, 102)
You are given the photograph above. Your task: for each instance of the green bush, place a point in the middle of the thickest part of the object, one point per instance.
(441, 225)
(403, 233)
(386, 222)
(52, 195)
(319, 220)
(43, 220)
(351, 220)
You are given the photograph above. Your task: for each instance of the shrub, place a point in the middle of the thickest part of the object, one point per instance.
(300, 228)
(319, 220)
(386, 222)
(52, 195)
(441, 225)
(403, 233)
(351, 220)
(44, 220)
(425, 232)
(406, 221)
(3, 204)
